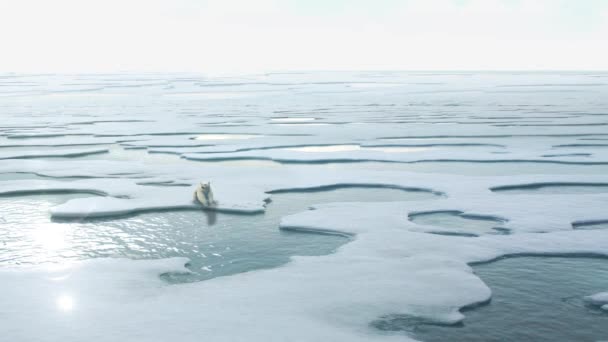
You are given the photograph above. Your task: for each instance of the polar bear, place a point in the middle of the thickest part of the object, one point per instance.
(204, 195)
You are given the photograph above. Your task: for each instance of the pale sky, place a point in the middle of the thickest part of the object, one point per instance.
(266, 35)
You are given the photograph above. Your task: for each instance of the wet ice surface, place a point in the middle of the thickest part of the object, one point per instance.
(533, 299)
(411, 177)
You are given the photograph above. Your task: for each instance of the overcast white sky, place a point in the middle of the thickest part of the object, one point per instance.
(263, 35)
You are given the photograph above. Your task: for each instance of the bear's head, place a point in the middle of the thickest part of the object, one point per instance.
(205, 187)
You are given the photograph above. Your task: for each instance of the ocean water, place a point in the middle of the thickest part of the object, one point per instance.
(533, 299)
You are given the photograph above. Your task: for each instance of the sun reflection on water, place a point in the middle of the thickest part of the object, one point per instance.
(65, 303)
(51, 236)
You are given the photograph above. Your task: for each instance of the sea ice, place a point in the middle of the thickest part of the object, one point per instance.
(391, 266)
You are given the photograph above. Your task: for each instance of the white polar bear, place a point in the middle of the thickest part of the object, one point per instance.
(204, 195)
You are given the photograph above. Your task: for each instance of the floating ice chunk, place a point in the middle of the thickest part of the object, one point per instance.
(110, 206)
(170, 200)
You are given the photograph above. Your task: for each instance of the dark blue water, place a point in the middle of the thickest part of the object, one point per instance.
(534, 299)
